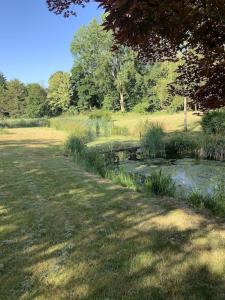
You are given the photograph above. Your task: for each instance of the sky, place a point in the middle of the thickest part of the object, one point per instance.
(35, 43)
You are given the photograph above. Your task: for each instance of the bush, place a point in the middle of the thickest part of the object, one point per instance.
(179, 146)
(94, 162)
(74, 145)
(212, 147)
(214, 122)
(141, 107)
(152, 144)
(23, 123)
(160, 184)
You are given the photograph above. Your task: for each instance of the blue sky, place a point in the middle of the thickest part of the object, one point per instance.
(34, 43)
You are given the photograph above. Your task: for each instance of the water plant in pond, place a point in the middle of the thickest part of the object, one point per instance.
(214, 202)
(74, 145)
(180, 146)
(160, 184)
(122, 178)
(212, 147)
(152, 144)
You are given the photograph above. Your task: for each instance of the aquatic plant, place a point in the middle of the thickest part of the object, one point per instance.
(74, 145)
(78, 128)
(122, 178)
(152, 144)
(160, 184)
(214, 202)
(180, 146)
(212, 147)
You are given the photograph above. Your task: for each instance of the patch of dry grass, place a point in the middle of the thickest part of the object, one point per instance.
(67, 234)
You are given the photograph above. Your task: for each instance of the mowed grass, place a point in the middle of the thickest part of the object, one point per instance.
(67, 234)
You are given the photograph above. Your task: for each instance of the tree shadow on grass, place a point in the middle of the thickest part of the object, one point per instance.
(67, 234)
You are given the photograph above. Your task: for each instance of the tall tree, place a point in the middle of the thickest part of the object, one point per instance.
(158, 30)
(59, 92)
(2, 80)
(100, 76)
(3, 111)
(36, 101)
(15, 96)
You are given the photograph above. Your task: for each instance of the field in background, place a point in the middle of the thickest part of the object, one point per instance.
(131, 124)
(67, 234)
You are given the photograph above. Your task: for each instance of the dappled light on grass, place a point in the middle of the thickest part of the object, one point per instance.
(68, 234)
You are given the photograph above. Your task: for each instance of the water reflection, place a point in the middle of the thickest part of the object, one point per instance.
(188, 174)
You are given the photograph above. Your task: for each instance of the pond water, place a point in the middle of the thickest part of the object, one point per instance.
(188, 174)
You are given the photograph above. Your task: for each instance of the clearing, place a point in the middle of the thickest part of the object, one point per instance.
(67, 234)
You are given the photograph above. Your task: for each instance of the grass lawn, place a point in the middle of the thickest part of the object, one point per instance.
(67, 234)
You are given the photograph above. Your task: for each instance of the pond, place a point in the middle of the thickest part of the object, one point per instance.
(188, 174)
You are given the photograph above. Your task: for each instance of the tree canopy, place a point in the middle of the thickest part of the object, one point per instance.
(115, 79)
(158, 30)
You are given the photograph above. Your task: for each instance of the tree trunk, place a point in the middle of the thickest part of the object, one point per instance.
(185, 115)
(122, 106)
(196, 107)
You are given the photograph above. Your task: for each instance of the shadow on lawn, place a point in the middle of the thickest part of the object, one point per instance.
(67, 234)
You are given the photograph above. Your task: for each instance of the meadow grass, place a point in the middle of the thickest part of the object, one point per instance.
(68, 234)
(23, 123)
(130, 123)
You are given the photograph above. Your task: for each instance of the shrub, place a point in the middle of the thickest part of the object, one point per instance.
(160, 184)
(75, 145)
(212, 147)
(141, 107)
(152, 144)
(93, 162)
(214, 122)
(180, 146)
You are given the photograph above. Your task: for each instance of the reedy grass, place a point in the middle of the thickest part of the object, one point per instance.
(24, 123)
(160, 184)
(214, 202)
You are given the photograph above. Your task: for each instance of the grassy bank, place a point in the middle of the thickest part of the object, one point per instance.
(67, 234)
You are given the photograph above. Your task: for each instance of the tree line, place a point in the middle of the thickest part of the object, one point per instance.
(101, 77)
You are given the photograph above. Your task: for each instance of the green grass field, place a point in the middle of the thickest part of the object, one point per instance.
(67, 234)
(170, 121)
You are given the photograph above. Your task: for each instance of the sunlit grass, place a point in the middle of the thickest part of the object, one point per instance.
(67, 234)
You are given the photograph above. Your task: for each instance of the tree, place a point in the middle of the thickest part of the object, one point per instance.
(36, 101)
(158, 30)
(2, 80)
(100, 76)
(59, 92)
(3, 111)
(14, 98)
